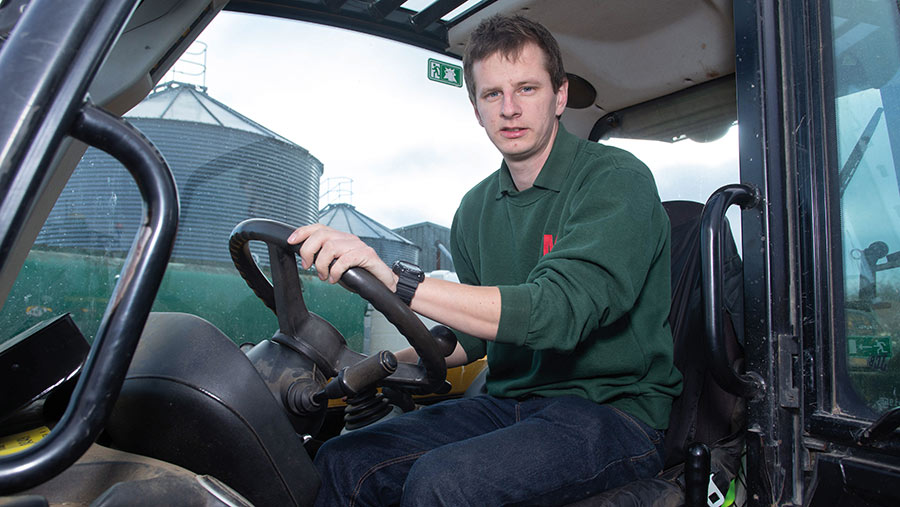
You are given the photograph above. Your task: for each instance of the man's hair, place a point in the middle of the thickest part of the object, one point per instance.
(507, 35)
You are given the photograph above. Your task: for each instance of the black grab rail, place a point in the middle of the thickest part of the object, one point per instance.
(712, 241)
(127, 311)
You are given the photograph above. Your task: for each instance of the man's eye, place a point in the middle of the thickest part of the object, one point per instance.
(527, 89)
(491, 95)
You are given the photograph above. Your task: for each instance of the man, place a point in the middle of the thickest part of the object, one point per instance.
(563, 255)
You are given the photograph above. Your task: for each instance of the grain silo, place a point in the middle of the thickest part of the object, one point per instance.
(227, 167)
(389, 245)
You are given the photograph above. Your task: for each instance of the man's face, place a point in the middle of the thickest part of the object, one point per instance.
(517, 105)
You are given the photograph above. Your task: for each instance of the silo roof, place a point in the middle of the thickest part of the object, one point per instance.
(187, 102)
(345, 217)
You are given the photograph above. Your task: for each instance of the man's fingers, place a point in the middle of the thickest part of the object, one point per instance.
(347, 254)
(342, 264)
(301, 233)
(312, 243)
(323, 246)
(366, 258)
(320, 246)
(309, 248)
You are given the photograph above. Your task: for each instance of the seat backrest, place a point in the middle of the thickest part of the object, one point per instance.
(704, 412)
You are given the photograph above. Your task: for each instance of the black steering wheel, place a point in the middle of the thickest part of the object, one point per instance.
(313, 336)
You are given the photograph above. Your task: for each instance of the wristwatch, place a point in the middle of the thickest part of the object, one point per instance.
(410, 278)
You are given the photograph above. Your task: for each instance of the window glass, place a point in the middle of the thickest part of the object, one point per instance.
(257, 121)
(867, 176)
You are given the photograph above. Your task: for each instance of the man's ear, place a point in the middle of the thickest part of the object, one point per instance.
(477, 114)
(562, 97)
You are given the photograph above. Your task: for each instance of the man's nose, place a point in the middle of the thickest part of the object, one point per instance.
(510, 107)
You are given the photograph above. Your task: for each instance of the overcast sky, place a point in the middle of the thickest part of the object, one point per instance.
(366, 109)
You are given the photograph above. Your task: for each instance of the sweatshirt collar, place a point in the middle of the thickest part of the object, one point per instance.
(555, 169)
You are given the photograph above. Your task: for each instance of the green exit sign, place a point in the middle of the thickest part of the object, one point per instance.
(869, 346)
(444, 72)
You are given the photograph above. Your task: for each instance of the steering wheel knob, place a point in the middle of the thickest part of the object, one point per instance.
(445, 338)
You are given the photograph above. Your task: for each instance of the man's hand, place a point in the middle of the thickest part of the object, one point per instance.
(333, 252)
(466, 308)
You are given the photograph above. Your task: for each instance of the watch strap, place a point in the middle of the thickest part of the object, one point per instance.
(406, 288)
(409, 276)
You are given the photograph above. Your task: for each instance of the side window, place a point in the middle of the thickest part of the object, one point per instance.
(866, 179)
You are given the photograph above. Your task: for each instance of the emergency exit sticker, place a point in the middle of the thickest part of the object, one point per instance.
(444, 72)
(20, 441)
(869, 346)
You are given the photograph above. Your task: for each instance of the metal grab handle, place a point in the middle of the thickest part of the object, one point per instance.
(127, 311)
(712, 241)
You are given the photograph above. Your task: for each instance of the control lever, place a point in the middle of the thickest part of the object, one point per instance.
(301, 399)
(353, 379)
(446, 342)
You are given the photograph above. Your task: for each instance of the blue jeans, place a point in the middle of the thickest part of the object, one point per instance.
(488, 451)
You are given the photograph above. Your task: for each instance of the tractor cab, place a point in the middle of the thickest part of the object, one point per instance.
(161, 345)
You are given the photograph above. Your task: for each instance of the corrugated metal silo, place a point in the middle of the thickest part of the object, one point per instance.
(227, 167)
(387, 244)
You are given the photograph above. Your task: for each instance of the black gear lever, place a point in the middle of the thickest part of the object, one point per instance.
(350, 381)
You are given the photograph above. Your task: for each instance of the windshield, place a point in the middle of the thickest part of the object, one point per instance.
(257, 122)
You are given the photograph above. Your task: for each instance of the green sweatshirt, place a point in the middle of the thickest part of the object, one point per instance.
(582, 262)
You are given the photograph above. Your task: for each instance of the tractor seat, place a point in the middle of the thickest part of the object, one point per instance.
(704, 412)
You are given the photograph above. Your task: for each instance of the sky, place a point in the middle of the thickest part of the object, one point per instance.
(367, 111)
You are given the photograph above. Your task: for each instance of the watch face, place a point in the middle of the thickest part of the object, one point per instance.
(409, 268)
(406, 266)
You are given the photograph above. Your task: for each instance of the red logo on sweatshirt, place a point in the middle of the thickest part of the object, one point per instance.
(548, 243)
